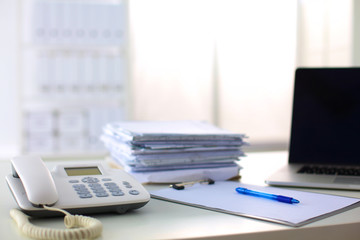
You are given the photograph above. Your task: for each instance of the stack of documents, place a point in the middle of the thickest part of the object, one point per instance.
(174, 148)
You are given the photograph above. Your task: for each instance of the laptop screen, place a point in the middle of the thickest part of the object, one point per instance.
(326, 116)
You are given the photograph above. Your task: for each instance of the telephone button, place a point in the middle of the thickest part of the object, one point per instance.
(99, 190)
(106, 179)
(79, 186)
(73, 181)
(134, 192)
(82, 191)
(85, 195)
(114, 189)
(110, 184)
(90, 180)
(127, 184)
(102, 194)
(95, 186)
(118, 193)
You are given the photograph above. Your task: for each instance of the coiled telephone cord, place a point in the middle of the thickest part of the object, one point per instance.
(78, 227)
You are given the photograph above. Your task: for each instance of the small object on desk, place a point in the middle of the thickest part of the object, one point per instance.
(181, 186)
(275, 197)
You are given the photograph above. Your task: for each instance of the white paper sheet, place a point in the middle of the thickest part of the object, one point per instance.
(222, 197)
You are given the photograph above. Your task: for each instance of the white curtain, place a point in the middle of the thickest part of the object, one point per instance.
(326, 32)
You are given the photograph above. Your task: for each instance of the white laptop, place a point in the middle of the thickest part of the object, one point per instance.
(325, 133)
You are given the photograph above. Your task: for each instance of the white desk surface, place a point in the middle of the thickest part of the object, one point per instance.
(165, 220)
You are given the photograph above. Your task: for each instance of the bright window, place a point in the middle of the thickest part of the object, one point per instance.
(228, 62)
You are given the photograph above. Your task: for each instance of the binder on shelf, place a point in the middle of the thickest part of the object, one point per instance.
(66, 47)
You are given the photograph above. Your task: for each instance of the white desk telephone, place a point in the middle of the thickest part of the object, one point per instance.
(70, 189)
(78, 189)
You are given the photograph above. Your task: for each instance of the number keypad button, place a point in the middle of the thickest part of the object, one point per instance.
(89, 180)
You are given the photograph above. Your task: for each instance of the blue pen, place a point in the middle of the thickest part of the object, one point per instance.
(267, 195)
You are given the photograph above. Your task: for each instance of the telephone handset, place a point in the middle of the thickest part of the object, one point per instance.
(36, 178)
(77, 188)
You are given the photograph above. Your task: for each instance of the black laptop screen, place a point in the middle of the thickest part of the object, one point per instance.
(326, 116)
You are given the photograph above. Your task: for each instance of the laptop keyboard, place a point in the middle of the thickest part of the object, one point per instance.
(330, 170)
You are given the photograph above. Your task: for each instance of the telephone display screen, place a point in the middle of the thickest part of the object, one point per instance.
(82, 171)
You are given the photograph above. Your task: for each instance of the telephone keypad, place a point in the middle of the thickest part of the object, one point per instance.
(101, 189)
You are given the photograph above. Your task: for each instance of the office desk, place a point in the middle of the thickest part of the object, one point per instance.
(165, 220)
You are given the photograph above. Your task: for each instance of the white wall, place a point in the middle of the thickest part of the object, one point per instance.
(9, 125)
